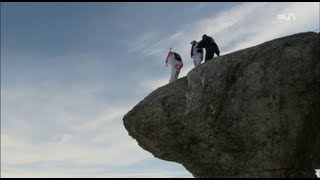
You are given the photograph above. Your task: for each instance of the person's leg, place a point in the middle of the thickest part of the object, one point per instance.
(209, 55)
(176, 75)
(197, 59)
(178, 66)
(194, 61)
(200, 58)
(173, 71)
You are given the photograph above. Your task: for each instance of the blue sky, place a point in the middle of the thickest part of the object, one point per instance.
(71, 71)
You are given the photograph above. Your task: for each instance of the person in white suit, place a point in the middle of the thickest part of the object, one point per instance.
(196, 53)
(174, 59)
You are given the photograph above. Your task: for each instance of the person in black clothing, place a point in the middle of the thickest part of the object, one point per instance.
(210, 46)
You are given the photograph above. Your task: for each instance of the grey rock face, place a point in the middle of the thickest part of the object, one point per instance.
(251, 113)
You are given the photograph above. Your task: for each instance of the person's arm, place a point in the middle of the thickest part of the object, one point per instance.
(167, 62)
(200, 44)
(191, 52)
(216, 49)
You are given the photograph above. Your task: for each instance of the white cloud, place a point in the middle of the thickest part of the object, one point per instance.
(242, 26)
(63, 126)
(114, 150)
(268, 26)
(142, 42)
(17, 154)
(153, 84)
(201, 5)
(66, 138)
(181, 38)
(255, 20)
(225, 20)
(109, 115)
(76, 132)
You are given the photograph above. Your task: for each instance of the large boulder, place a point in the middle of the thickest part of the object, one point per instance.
(250, 113)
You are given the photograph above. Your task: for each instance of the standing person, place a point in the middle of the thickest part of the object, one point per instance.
(210, 46)
(196, 53)
(174, 59)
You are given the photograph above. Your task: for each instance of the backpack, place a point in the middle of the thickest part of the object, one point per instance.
(177, 56)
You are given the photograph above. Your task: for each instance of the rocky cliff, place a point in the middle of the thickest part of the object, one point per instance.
(250, 113)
